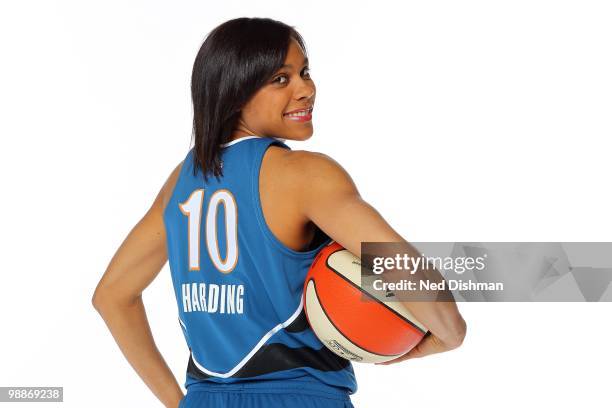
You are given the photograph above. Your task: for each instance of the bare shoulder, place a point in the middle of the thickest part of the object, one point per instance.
(168, 187)
(290, 182)
(314, 171)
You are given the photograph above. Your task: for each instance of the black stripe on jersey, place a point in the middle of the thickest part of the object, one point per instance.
(299, 324)
(278, 357)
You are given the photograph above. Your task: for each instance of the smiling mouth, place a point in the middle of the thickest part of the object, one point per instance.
(303, 116)
(299, 114)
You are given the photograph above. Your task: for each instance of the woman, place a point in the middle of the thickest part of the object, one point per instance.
(240, 219)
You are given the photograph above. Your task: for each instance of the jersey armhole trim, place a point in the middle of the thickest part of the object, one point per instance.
(255, 174)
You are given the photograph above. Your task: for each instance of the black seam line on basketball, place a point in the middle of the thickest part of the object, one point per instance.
(367, 294)
(340, 331)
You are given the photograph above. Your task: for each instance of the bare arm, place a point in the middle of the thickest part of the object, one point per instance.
(329, 198)
(118, 298)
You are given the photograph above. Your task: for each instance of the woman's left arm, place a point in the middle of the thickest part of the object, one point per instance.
(118, 298)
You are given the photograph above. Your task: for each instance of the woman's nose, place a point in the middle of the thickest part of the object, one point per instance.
(306, 90)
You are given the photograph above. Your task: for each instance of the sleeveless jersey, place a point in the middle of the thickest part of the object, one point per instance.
(238, 288)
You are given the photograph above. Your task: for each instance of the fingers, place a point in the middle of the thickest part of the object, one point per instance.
(429, 345)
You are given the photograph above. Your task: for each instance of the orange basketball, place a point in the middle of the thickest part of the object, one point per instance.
(368, 331)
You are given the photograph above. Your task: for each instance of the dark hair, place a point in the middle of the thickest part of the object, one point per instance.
(234, 62)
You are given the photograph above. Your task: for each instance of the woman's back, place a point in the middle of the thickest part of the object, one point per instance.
(240, 247)
(238, 274)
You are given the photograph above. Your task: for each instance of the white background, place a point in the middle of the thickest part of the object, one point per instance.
(458, 121)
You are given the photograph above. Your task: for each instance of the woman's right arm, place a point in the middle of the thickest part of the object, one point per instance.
(329, 198)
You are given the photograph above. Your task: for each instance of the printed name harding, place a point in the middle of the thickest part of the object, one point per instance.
(212, 298)
(453, 284)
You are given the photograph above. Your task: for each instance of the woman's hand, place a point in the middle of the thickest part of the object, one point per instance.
(431, 344)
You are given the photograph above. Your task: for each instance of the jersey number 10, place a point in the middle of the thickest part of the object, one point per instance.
(192, 208)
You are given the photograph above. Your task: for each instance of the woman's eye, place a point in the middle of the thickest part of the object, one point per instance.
(306, 72)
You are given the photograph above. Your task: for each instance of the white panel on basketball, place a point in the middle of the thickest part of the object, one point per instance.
(349, 266)
(331, 337)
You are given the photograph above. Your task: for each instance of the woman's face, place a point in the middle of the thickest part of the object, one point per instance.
(289, 89)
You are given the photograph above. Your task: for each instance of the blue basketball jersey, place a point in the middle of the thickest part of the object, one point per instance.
(238, 288)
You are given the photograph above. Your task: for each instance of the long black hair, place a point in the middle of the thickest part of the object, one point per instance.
(237, 58)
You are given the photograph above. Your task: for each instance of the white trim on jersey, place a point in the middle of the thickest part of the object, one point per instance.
(237, 140)
(245, 138)
(255, 349)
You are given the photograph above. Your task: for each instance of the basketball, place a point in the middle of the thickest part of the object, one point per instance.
(350, 321)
